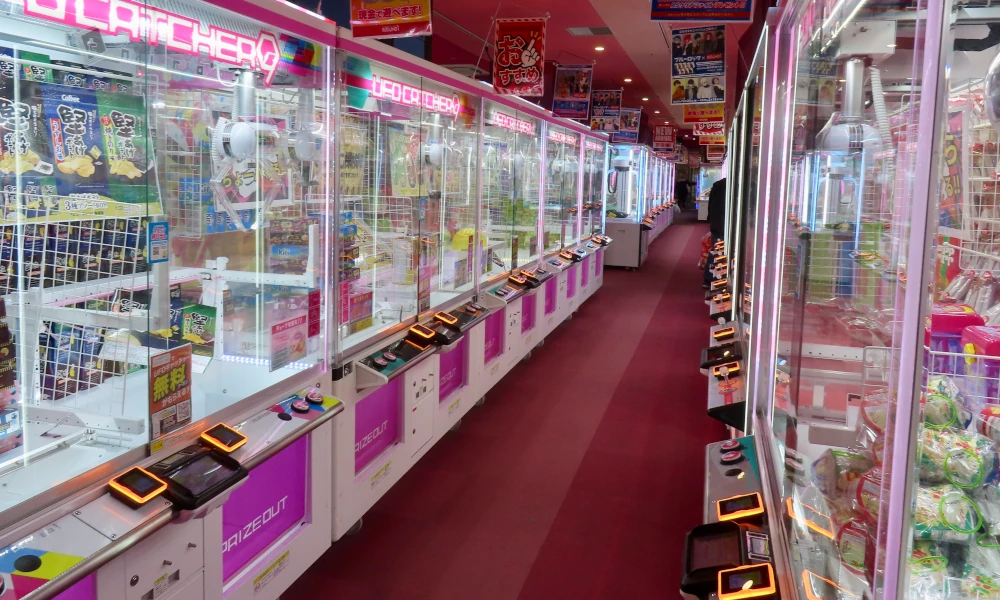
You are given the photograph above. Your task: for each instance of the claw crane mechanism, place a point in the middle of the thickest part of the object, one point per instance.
(845, 148)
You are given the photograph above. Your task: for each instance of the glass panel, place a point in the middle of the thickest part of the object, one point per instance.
(846, 200)
(160, 209)
(510, 171)
(625, 182)
(447, 213)
(561, 185)
(593, 186)
(381, 182)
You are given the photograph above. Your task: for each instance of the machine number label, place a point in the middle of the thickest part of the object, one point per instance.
(495, 368)
(454, 405)
(381, 474)
(162, 584)
(268, 574)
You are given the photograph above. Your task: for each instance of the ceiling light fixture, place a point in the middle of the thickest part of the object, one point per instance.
(599, 48)
(656, 112)
(628, 80)
(645, 99)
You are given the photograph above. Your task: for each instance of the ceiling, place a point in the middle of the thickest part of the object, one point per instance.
(636, 48)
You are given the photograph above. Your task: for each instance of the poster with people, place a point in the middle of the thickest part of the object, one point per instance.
(628, 130)
(571, 98)
(605, 112)
(698, 63)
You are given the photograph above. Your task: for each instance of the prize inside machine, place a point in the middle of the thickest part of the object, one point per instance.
(626, 188)
(161, 212)
(408, 180)
(593, 186)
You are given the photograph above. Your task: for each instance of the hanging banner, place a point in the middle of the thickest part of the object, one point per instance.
(606, 112)
(390, 18)
(704, 113)
(698, 63)
(703, 11)
(571, 98)
(628, 131)
(711, 140)
(715, 154)
(709, 129)
(519, 57)
(663, 138)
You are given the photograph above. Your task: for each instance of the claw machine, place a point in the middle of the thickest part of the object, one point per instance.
(627, 183)
(595, 166)
(165, 171)
(871, 360)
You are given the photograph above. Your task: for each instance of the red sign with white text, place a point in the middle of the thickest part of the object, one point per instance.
(709, 129)
(390, 18)
(663, 138)
(519, 57)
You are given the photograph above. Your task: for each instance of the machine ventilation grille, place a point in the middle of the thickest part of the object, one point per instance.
(588, 31)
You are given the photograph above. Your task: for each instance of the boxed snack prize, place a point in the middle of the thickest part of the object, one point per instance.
(77, 144)
(944, 334)
(88, 366)
(34, 66)
(124, 126)
(56, 347)
(69, 73)
(289, 259)
(982, 371)
(198, 327)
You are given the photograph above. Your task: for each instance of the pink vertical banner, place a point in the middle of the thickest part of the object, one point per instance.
(551, 289)
(260, 511)
(585, 271)
(376, 423)
(528, 309)
(494, 336)
(85, 589)
(571, 281)
(452, 370)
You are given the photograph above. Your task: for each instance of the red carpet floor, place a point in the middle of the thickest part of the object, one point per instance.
(582, 487)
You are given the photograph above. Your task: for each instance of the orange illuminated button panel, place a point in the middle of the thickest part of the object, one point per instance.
(136, 487)
(223, 437)
(740, 508)
(719, 284)
(723, 334)
(749, 581)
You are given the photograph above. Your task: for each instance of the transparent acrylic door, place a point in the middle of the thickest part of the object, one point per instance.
(844, 194)
(593, 186)
(561, 187)
(510, 169)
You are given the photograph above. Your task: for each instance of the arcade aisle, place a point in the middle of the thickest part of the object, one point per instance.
(579, 477)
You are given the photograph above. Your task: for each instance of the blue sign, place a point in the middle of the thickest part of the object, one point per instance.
(703, 11)
(158, 242)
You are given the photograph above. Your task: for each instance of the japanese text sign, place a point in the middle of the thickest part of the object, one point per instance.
(663, 138)
(519, 57)
(702, 11)
(704, 113)
(390, 18)
(170, 390)
(709, 129)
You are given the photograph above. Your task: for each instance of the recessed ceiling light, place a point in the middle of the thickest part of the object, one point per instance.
(645, 99)
(599, 48)
(628, 80)
(656, 112)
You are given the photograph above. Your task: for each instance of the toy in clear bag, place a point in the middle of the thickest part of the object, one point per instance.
(928, 567)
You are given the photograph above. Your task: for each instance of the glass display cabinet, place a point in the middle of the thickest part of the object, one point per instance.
(595, 166)
(161, 209)
(562, 169)
(511, 168)
(408, 179)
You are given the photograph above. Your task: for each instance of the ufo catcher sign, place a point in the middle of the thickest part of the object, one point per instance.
(519, 57)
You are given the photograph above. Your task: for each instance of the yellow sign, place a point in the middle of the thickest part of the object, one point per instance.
(712, 140)
(390, 18)
(704, 113)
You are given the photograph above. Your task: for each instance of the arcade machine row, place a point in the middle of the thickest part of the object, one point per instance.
(876, 400)
(161, 272)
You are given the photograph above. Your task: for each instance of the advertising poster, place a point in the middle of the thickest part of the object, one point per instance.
(714, 154)
(663, 138)
(571, 98)
(704, 113)
(628, 130)
(390, 18)
(709, 129)
(606, 110)
(711, 140)
(950, 207)
(816, 83)
(288, 341)
(170, 390)
(703, 11)
(519, 57)
(698, 63)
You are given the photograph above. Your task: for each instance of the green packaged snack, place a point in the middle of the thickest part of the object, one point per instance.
(198, 327)
(928, 568)
(981, 574)
(124, 128)
(944, 513)
(964, 459)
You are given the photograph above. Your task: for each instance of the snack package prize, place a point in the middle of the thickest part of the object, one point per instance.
(77, 143)
(981, 573)
(130, 160)
(928, 568)
(944, 334)
(943, 513)
(835, 471)
(983, 369)
(949, 407)
(964, 459)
